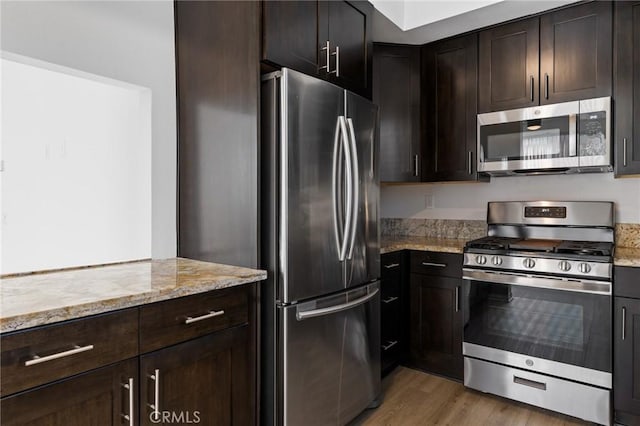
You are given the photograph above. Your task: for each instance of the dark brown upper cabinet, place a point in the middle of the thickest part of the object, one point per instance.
(326, 39)
(627, 88)
(509, 66)
(449, 77)
(575, 53)
(561, 56)
(396, 91)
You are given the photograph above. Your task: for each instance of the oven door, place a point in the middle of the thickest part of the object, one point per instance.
(528, 139)
(553, 326)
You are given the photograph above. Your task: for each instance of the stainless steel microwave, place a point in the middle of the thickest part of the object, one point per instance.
(569, 137)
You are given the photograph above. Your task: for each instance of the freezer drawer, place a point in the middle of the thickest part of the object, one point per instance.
(330, 355)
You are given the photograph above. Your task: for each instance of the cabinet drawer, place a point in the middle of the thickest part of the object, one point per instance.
(626, 282)
(433, 263)
(177, 320)
(391, 265)
(44, 354)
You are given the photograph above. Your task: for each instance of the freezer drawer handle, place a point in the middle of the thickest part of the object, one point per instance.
(38, 359)
(389, 300)
(392, 265)
(211, 314)
(391, 344)
(530, 383)
(333, 309)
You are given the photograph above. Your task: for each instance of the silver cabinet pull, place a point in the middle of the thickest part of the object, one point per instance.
(415, 166)
(392, 265)
(624, 152)
(326, 49)
(390, 299)
(457, 298)
(530, 383)
(155, 407)
(546, 86)
(439, 265)
(76, 350)
(211, 314)
(129, 386)
(531, 82)
(470, 161)
(624, 323)
(391, 344)
(337, 55)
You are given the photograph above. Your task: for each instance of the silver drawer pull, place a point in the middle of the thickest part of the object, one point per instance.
(155, 407)
(439, 265)
(38, 359)
(530, 383)
(129, 387)
(211, 314)
(390, 299)
(390, 345)
(392, 265)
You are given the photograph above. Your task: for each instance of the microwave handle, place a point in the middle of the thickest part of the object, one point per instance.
(573, 135)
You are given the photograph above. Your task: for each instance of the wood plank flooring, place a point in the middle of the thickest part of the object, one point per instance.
(412, 397)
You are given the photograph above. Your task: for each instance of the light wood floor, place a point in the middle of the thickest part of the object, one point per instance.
(415, 398)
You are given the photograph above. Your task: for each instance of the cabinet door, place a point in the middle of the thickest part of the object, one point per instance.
(436, 324)
(95, 398)
(292, 36)
(508, 66)
(349, 31)
(626, 379)
(450, 76)
(396, 91)
(208, 378)
(575, 53)
(627, 94)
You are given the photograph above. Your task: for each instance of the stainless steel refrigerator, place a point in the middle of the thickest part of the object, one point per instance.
(320, 243)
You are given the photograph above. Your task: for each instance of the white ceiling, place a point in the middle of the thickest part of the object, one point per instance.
(423, 21)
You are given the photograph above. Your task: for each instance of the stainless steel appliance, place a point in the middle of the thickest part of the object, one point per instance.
(569, 137)
(320, 244)
(537, 306)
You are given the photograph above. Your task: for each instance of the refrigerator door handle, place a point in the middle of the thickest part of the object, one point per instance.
(356, 186)
(337, 145)
(349, 188)
(337, 308)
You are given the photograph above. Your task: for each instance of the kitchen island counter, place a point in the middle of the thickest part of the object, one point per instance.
(44, 298)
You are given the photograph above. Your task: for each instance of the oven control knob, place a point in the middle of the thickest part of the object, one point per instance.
(496, 260)
(564, 266)
(529, 263)
(481, 260)
(585, 268)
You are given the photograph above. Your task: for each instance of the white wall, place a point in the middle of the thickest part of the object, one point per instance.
(469, 200)
(130, 41)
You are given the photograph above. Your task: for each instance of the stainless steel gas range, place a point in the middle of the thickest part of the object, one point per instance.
(537, 306)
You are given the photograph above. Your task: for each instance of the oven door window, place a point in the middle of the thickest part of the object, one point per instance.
(538, 139)
(568, 327)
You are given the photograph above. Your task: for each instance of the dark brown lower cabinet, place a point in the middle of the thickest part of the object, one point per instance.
(98, 397)
(204, 381)
(393, 338)
(436, 325)
(626, 348)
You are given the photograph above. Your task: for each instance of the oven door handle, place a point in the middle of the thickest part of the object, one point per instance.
(577, 285)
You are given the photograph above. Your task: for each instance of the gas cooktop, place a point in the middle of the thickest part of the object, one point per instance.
(541, 247)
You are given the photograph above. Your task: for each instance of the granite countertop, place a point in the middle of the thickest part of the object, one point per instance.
(397, 243)
(627, 256)
(44, 298)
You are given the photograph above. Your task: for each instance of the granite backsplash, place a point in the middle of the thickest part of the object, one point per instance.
(627, 234)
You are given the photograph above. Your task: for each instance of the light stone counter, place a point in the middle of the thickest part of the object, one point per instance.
(627, 256)
(44, 298)
(447, 245)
